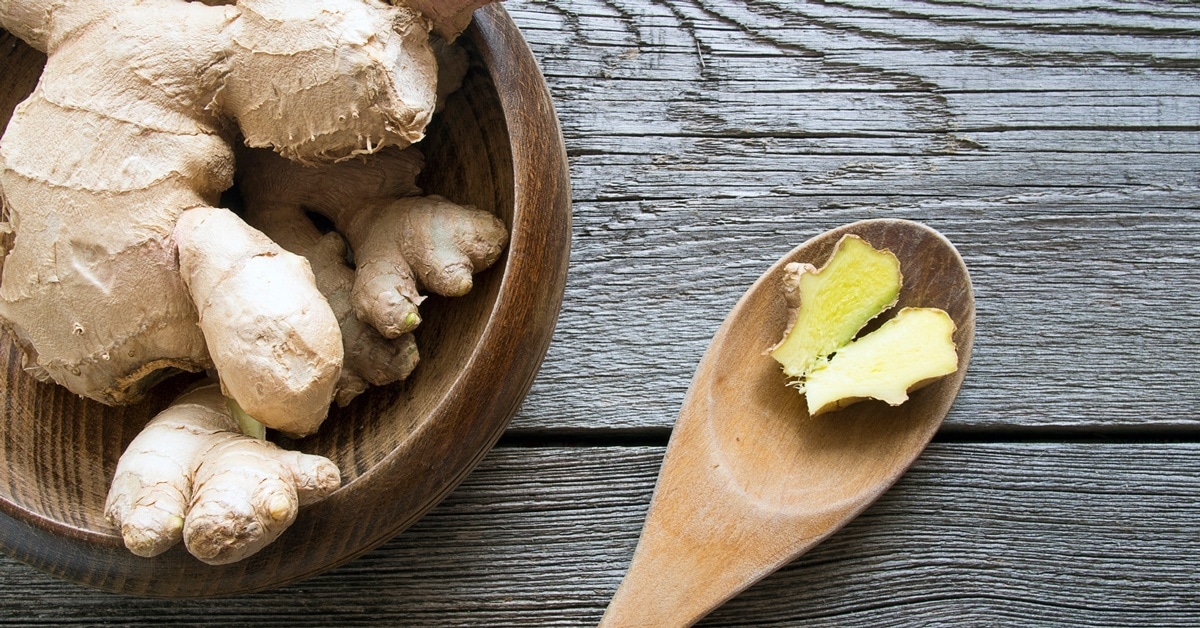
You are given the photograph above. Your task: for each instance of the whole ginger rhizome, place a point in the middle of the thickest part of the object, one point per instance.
(120, 267)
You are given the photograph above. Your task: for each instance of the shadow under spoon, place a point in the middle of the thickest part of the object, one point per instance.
(750, 481)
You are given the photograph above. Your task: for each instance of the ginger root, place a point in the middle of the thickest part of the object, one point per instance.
(830, 306)
(400, 242)
(450, 17)
(833, 303)
(112, 168)
(119, 268)
(192, 475)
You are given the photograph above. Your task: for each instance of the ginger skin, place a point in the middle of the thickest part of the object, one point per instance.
(99, 167)
(118, 268)
(400, 242)
(450, 17)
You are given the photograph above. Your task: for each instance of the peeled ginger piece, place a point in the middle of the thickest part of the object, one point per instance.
(853, 287)
(914, 348)
(832, 305)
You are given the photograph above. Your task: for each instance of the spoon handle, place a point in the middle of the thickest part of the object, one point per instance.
(705, 540)
(680, 575)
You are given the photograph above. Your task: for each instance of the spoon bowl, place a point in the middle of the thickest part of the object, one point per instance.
(749, 480)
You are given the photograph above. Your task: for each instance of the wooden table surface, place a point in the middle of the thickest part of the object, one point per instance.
(1055, 142)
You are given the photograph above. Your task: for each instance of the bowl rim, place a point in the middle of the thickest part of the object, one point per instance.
(503, 363)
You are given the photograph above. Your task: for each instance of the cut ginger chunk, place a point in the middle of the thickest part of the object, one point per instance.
(832, 305)
(855, 285)
(914, 348)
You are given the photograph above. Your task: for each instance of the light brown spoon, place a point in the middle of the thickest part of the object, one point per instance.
(750, 481)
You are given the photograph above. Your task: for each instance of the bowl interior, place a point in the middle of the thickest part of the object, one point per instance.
(59, 451)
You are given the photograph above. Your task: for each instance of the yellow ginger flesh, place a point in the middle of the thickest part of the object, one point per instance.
(855, 285)
(832, 305)
(915, 347)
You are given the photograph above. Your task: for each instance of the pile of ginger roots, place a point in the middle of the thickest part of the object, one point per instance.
(120, 267)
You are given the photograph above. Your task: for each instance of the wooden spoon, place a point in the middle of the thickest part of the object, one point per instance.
(749, 480)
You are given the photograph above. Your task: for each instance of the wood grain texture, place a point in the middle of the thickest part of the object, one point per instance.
(1056, 144)
(975, 534)
(400, 448)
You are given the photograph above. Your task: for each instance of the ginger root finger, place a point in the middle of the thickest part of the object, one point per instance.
(385, 292)
(399, 244)
(447, 243)
(247, 492)
(370, 358)
(417, 242)
(271, 334)
(179, 465)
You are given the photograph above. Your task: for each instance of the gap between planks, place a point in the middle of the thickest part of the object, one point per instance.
(658, 436)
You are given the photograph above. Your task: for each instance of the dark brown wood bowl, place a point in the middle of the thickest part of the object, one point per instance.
(401, 448)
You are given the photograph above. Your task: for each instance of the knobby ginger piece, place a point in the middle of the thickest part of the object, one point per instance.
(855, 285)
(905, 353)
(122, 269)
(191, 475)
(400, 244)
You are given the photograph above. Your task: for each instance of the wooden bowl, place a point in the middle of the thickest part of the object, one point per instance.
(401, 448)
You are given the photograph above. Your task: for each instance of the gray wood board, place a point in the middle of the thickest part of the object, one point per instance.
(1057, 144)
(1032, 533)
(1058, 148)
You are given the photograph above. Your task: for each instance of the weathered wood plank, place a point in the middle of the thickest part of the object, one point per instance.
(1057, 145)
(1085, 534)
